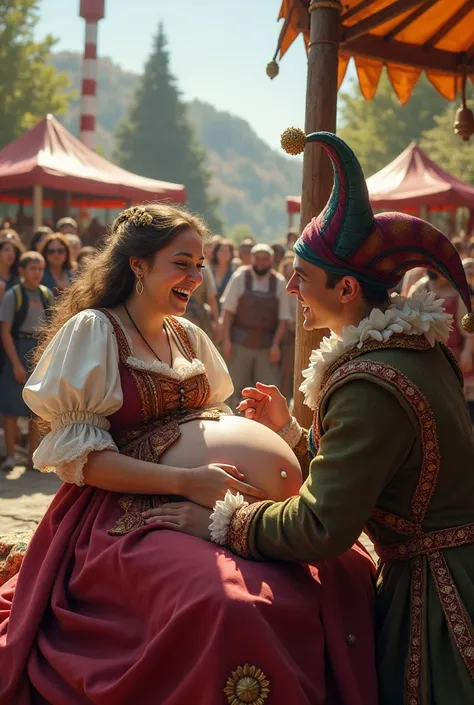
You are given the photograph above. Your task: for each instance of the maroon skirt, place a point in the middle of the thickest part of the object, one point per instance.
(160, 618)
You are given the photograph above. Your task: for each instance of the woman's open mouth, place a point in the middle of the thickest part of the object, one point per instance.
(182, 294)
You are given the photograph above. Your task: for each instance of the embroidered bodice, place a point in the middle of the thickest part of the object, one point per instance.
(154, 391)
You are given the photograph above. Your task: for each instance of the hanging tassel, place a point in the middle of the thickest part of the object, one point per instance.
(464, 121)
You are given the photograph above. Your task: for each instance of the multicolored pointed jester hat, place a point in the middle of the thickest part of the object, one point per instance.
(347, 238)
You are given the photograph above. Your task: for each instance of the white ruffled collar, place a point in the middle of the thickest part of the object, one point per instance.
(422, 314)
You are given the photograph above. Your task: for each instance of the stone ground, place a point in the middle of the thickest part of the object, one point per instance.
(24, 498)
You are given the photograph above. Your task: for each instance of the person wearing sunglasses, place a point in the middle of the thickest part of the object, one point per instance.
(58, 271)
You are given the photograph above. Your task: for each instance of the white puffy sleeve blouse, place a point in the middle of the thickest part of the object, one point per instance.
(76, 386)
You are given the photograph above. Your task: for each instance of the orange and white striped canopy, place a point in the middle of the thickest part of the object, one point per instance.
(406, 36)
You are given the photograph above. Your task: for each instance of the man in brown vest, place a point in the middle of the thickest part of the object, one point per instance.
(255, 308)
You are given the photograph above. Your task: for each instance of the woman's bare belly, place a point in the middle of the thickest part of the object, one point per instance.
(255, 450)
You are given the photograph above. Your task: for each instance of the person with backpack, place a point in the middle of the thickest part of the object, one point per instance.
(21, 313)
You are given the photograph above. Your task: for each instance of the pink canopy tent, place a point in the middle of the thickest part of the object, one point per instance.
(413, 180)
(410, 182)
(48, 159)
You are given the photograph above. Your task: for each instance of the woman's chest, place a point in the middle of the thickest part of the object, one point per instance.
(148, 396)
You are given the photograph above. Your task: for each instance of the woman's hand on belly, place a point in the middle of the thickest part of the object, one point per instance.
(187, 517)
(208, 483)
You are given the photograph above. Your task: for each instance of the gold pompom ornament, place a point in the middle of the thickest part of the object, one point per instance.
(272, 69)
(468, 322)
(293, 140)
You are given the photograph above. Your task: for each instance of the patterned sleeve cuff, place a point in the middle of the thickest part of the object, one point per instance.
(222, 515)
(291, 432)
(239, 527)
(302, 448)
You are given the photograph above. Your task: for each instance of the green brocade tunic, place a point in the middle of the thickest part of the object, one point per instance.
(395, 458)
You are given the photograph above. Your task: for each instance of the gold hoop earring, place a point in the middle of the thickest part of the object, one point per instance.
(139, 287)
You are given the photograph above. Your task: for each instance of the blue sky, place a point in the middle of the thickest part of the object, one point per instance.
(219, 50)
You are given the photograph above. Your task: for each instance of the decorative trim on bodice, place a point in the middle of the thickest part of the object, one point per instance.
(161, 388)
(179, 335)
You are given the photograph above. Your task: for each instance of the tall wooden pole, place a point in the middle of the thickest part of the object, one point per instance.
(321, 103)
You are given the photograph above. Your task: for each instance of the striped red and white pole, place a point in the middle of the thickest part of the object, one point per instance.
(92, 11)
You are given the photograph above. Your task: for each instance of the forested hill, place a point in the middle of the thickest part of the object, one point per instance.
(251, 180)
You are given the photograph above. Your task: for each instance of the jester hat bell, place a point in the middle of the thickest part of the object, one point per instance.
(347, 238)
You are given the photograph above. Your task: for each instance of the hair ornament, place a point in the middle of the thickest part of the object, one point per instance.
(138, 216)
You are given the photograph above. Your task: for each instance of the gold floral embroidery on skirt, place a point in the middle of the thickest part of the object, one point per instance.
(247, 684)
(132, 506)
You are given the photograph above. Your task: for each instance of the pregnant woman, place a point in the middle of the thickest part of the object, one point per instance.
(110, 609)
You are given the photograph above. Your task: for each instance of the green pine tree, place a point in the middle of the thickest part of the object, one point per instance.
(29, 86)
(378, 130)
(156, 139)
